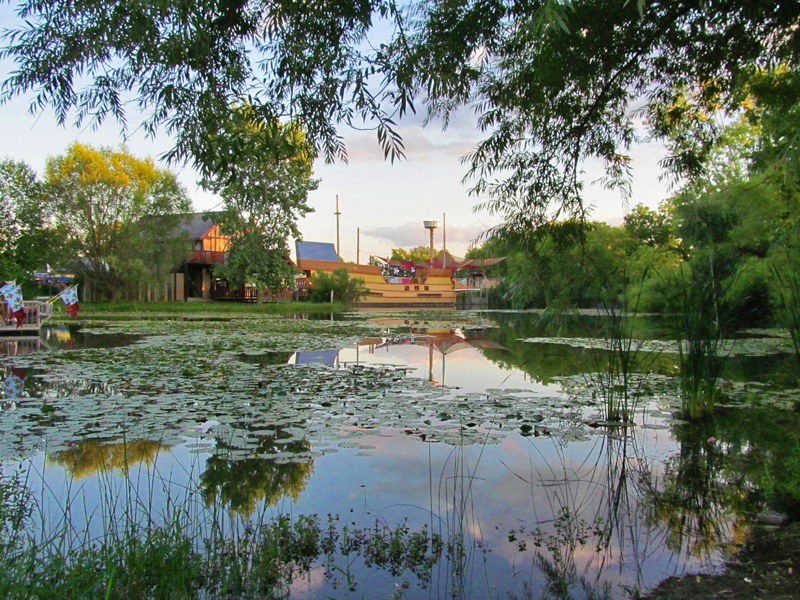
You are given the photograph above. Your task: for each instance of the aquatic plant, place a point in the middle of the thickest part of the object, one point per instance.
(699, 317)
(619, 381)
(132, 547)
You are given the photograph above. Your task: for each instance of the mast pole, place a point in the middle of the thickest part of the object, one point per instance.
(337, 213)
(444, 240)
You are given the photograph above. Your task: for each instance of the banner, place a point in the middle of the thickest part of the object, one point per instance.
(70, 298)
(12, 293)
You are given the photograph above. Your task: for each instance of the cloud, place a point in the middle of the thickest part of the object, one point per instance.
(408, 235)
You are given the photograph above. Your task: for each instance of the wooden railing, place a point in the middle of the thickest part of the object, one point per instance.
(206, 257)
(35, 313)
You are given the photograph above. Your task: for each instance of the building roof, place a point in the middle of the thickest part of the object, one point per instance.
(196, 225)
(317, 251)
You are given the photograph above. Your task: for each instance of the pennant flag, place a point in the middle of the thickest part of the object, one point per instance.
(10, 285)
(70, 298)
(12, 293)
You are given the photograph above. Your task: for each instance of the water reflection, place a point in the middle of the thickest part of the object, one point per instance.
(90, 457)
(276, 467)
(358, 430)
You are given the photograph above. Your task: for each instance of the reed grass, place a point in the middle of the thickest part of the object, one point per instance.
(128, 545)
(699, 317)
(787, 291)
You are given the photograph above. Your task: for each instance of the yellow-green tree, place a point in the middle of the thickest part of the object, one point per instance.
(99, 196)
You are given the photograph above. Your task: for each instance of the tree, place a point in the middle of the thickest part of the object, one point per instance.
(417, 254)
(345, 289)
(186, 63)
(557, 83)
(265, 192)
(554, 82)
(99, 196)
(28, 240)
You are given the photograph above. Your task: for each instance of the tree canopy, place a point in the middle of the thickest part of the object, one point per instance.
(553, 82)
(28, 239)
(105, 201)
(265, 192)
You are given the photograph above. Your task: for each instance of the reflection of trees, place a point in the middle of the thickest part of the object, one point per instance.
(94, 456)
(762, 445)
(699, 499)
(240, 483)
(543, 362)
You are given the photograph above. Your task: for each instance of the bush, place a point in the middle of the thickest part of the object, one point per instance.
(345, 289)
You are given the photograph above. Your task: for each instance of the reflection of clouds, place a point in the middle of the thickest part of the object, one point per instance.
(308, 584)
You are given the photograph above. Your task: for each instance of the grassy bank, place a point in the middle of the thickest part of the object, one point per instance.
(206, 308)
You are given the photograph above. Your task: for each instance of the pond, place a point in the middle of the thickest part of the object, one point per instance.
(483, 430)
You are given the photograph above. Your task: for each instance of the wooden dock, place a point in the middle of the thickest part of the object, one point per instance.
(36, 313)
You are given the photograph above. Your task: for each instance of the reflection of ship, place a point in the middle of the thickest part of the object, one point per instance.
(443, 339)
(309, 357)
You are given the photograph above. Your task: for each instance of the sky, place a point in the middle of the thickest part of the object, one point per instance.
(382, 205)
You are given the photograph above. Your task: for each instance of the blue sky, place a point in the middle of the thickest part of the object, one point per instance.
(388, 202)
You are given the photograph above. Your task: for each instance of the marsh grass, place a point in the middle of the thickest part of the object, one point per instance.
(146, 535)
(699, 319)
(619, 380)
(787, 291)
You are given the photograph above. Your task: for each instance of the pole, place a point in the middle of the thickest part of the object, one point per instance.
(444, 240)
(431, 258)
(358, 245)
(337, 213)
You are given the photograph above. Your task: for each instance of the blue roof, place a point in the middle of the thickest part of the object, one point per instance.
(317, 251)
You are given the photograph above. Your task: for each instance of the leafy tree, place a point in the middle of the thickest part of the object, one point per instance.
(99, 197)
(417, 254)
(186, 63)
(28, 239)
(553, 80)
(265, 192)
(345, 289)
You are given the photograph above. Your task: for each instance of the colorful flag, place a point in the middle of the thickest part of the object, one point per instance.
(12, 293)
(70, 298)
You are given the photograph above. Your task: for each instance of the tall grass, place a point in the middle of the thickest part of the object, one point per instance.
(699, 317)
(126, 544)
(620, 378)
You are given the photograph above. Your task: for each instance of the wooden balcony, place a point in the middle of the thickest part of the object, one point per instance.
(206, 257)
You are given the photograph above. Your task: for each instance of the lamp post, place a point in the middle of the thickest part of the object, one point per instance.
(431, 225)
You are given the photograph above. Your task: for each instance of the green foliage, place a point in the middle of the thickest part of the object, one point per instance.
(700, 318)
(99, 197)
(186, 64)
(186, 551)
(264, 177)
(345, 289)
(28, 238)
(553, 81)
(418, 254)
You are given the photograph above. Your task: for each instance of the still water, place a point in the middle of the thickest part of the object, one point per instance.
(485, 427)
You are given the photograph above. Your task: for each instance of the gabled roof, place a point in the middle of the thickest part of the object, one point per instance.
(317, 251)
(197, 225)
(194, 225)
